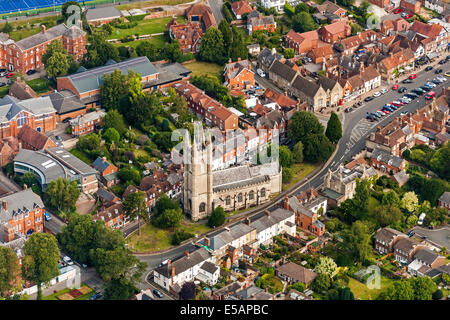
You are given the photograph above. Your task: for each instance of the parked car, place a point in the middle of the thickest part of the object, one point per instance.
(68, 260)
(9, 75)
(437, 71)
(2, 84)
(157, 293)
(413, 76)
(411, 95)
(403, 113)
(58, 138)
(96, 296)
(442, 78)
(395, 87)
(407, 80)
(408, 16)
(431, 84)
(428, 68)
(418, 91)
(377, 94)
(398, 10)
(430, 95)
(260, 73)
(385, 111)
(443, 61)
(447, 74)
(369, 98)
(405, 100)
(402, 89)
(347, 110)
(47, 216)
(383, 91)
(30, 72)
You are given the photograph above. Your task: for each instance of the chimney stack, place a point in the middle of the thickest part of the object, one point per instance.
(43, 28)
(5, 205)
(8, 233)
(173, 271)
(25, 187)
(186, 253)
(268, 213)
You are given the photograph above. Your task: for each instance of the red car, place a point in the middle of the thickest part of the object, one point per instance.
(384, 111)
(397, 11)
(413, 76)
(9, 75)
(395, 87)
(397, 103)
(408, 16)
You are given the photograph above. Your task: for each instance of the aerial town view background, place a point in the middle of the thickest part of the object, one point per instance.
(224, 150)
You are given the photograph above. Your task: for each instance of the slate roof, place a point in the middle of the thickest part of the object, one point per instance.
(297, 272)
(327, 83)
(309, 88)
(22, 201)
(405, 245)
(105, 195)
(42, 37)
(102, 13)
(234, 68)
(296, 205)
(445, 197)
(267, 57)
(283, 71)
(426, 255)
(92, 79)
(10, 107)
(224, 237)
(88, 117)
(209, 267)
(385, 157)
(184, 263)
(265, 222)
(100, 165)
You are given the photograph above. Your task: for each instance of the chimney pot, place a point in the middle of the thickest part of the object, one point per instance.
(5, 205)
(43, 28)
(268, 213)
(25, 187)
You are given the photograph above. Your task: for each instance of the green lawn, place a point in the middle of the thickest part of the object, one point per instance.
(204, 68)
(361, 291)
(146, 4)
(31, 25)
(301, 171)
(81, 155)
(40, 85)
(158, 41)
(4, 91)
(144, 27)
(55, 296)
(154, 239)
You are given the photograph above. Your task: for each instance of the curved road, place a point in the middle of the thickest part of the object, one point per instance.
(355, 131)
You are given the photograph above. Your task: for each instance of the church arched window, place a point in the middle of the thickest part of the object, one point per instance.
(228, 200)
(251, 195)
(263, 192)
(21, 120)
(240, 197)
(202, 207)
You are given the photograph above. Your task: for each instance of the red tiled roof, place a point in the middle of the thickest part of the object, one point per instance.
(431, 31)
(241, 7)
(32, 138)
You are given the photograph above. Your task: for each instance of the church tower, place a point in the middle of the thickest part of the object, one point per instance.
(198, 182)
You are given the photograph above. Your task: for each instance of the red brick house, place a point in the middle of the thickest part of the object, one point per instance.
(188, 35)
(33, 140)
(334, 32)
(240, 8)
(26, 54)
(380, 3)
(239, 75)
(386, 163)
(112, 216)
(21, 213)
(9, 147)
(201, 13)
(256, 21)
(444, 201)
(318, 55)
(304, 218)
(411, 6)
(87, 123)
(107, 171)
(302, 42)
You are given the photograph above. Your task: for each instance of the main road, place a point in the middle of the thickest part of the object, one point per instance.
(355, 130)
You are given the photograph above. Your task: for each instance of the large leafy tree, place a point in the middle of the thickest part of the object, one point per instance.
(89, 142)
(334, 128)
(326, 266)
(56, 60)
(119, 289)
(99, 51)
(423, 288)
(134, 206)
(113, 88)
(399, 290)
(440, 161)
(212, 48)
(302, 125)
(9, 271)
(362, 195)
(148, 49)
(358, 240)
(297, 152)
(40, 263)
(170, 218)
(188, 290)
(391, 198)
(303, 22)
(387, 215)
(317, 148)
(113, 119)
(410, 201)
(135, 86)
(164, 203)
(62, 195)
(227, 35)
(111, 135)
(285, 156)
(238, 48)
(321, 283)
(217, 217)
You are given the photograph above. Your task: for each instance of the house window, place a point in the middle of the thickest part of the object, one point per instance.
(240, 197)
(21, 120)
(263, 192)
(228, 200)
(202, 207)
(251, 195)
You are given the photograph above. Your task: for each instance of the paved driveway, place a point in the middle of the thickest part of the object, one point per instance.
(441, 236)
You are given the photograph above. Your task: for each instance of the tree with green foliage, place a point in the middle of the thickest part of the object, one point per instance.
(302, 7)
(358, 240)
(423, 288)
(111, 135)
(188, 291)
(321, 283)
(89, 142)
(362, 195)
(9, 272)
(217, 217)
(164, 203)
(317, 148)
(287, 175)
(410, 202)
(65, 13)
(170, 218)
(99, 51)
(411, 221)
(238, 48)
(399, 290)
(300, 287)
(303, 22)
(387, 215)
(391, 198)
(129, 176)
(288, 53)
(302, 125)
(134, 206)
(179, 236)
(227, 13)
(212, 48)
(440, 161)
(7, 28)
(113, 119)
(148, 49)
(114, 86)
(334, 128)
(40, 263)
(342, 294)
(356, 28)
(56, 60)
(61, 195)
(436, 217)
(285, 156)
(438, 295)
(120, 289)
(227, 35)
(326, 266)
(297, 152)
(135, 90)
(288, 10)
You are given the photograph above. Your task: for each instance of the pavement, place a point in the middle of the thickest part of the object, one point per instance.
(216, 7)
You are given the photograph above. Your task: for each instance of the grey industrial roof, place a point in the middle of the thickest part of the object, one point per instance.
(68, 159)
(92, 79)
(22, 201)
(186, 262)
(65, 101)
(102, 13)
(36, 159)
(48, 35)
(10, 107)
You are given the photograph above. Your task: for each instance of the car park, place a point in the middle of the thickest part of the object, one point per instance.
(407, 80)
(442, 78)
(413, 76)
(418, 91)
(402, 89)
(437, 71)
(411, 95)
(395, 87)
(428, 68)
(385, 111)
(405, 100)
(431, 84)
(425, 88)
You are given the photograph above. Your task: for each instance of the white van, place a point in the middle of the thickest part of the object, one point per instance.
(421, 218)
(260, 73)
